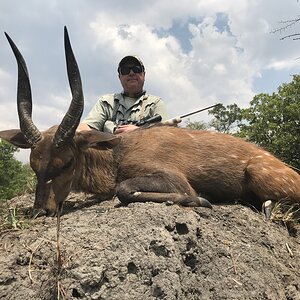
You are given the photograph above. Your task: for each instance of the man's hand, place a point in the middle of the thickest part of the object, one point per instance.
(82, 127)
(125, 128)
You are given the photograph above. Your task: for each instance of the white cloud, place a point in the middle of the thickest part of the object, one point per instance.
(282, 64)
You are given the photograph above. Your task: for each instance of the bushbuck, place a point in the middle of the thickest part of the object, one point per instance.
(158, 163)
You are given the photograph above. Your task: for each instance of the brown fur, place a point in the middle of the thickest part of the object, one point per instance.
(219, 165)
(158, 164)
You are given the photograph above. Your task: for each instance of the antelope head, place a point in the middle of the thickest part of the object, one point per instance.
(52, 154)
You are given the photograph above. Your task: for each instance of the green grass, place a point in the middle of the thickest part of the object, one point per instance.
(14, 217)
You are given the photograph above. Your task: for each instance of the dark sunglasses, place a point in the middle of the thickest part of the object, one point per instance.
(126, 70)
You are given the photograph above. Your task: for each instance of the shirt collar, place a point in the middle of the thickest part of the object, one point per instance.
(137, 95)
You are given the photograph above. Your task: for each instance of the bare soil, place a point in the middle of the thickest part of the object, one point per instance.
(149, 251)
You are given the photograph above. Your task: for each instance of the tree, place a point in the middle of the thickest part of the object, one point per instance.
(226, 119)
(273, 122)
(286, 25)
(14, 176)
(197, 125)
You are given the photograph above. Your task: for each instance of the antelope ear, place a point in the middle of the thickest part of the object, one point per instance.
(15, 137)
(96, 139)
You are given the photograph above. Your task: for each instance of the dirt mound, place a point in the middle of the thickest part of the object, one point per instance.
(150, 251)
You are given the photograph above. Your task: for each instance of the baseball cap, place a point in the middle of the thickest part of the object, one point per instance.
(129, 59)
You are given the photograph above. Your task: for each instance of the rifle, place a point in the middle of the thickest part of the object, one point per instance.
(157, 118)
(151, 120)
(177, 120)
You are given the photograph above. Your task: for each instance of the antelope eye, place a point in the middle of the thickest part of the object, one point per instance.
(59, 169)
(68, 164)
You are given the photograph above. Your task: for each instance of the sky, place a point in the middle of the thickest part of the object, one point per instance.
(196, 52)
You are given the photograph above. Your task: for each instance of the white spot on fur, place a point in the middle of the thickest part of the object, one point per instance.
(267, 154)
(285, 179)
(137, 193)
(192, 136)
(233, 156)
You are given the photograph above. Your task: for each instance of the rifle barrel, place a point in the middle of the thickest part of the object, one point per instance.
(197, 111)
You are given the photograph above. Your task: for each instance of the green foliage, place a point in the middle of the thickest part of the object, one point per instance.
(226, 119)
(197, 125)
(14, 176)
(273, 122)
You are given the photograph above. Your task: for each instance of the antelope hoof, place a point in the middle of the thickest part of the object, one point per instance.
(267, 208)
(38, 212)
(204, 203)
(196, 202)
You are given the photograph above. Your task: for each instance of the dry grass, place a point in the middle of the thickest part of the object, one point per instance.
(288, 213)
